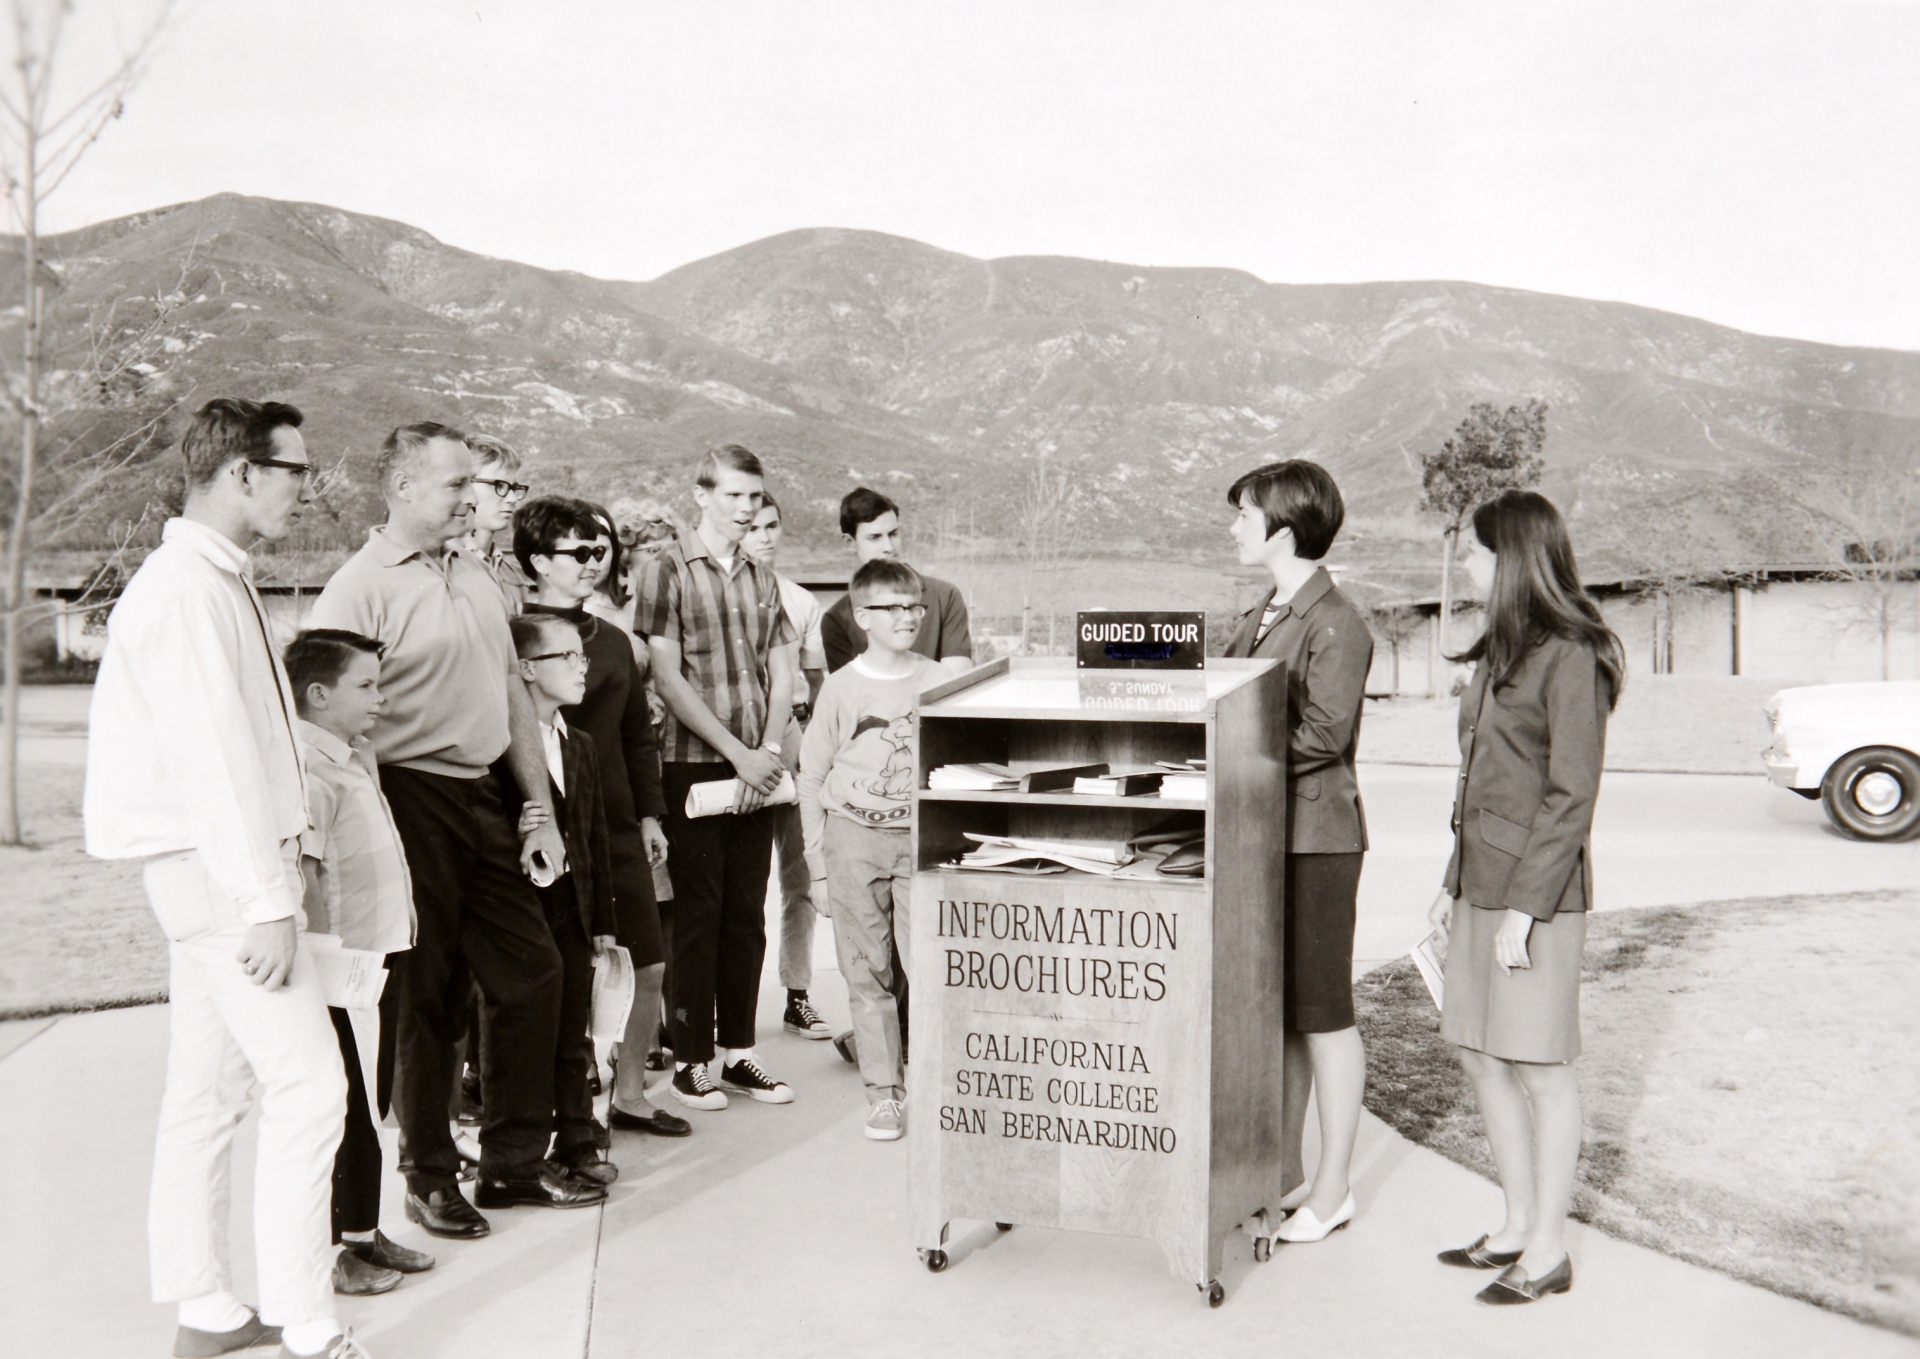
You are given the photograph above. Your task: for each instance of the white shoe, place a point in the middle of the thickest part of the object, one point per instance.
(887, 1122)
(1304, 1226)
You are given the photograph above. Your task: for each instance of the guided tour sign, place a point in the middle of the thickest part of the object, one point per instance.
(1135, 640)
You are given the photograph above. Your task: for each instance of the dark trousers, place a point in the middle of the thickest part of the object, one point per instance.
(573, 1048)
(356, 1166)
(479, 921)
(719, 912)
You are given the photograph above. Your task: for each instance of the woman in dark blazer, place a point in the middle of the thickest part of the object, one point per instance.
(1289, 514)
(1533, 726)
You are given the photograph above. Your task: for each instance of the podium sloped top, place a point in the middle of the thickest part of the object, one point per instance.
(1053, 687)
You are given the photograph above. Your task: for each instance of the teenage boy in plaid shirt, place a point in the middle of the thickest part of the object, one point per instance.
(723, 663)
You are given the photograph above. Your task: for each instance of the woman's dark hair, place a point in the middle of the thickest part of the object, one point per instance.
(1536, 590)
(545, 520)
(614, 583)
(1295, 494)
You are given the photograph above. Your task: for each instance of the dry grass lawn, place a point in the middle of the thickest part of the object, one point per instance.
(1751, 1098)
(79, 932)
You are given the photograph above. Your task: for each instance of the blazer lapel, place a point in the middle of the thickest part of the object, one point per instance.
(1248, 630)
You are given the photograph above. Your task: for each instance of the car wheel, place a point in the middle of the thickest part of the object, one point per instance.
(1874, 794)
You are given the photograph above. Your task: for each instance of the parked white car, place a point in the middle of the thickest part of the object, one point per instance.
(1856, 747)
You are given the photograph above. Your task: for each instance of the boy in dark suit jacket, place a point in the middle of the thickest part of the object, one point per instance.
(579, 902)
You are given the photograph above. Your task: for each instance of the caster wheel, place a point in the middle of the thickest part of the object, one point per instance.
(936, 1261)
(1215, 1294)
(1262, 1248)
(1003, 1226)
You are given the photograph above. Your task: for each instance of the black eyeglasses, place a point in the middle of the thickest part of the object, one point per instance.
(898, 611)
(578, 658)
(506, 490)
(306, 470)
(583, 555)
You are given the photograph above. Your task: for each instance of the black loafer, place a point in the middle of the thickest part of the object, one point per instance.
(1513, 1287)
(389, 1254)
(189, 1343)
(660, 1123)
(446, 1213)
(553, 1187)
(591, 1164)
(1477, 1256)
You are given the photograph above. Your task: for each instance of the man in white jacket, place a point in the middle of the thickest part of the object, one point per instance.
(192, 765)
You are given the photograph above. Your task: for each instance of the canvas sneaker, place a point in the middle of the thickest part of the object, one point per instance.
(887, 1122)
(693, 1086)
(802, 1019)
(746, 1076)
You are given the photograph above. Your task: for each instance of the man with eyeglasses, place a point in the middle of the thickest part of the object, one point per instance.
(496, 490)
(193, 766)
(456, 704)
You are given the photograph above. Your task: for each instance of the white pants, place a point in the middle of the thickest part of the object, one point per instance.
(226, 1034)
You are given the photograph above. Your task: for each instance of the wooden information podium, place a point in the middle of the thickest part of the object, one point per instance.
(1090, 1053)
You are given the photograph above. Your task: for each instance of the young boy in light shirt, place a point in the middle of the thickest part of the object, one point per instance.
(856, 790)
(356, 887)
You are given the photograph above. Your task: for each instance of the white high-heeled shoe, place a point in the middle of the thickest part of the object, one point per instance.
(1304, 1226)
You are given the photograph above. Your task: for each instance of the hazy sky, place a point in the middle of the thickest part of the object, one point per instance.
(1750, 163)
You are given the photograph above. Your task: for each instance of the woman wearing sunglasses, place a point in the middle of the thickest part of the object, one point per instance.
(566, 548)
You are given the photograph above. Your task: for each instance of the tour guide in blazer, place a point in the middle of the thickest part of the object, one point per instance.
(1328, 650)
(1523, 807)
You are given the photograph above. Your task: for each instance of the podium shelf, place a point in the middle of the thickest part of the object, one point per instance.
(1063, 799)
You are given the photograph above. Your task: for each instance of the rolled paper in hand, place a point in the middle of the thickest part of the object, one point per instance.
(723, 796)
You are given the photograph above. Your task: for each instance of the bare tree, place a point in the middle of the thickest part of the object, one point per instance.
(1865, 513)
(1667, 539)
(1490, 451)
(1052, 531)
(52, 110)
(1396, 621)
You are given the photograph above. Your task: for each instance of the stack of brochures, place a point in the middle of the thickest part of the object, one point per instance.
(1017, 854)
(1184, 788)
(973, 778)
(1173, 849)
(1121, 783)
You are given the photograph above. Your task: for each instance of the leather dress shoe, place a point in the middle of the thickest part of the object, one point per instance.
(1477, 1256)
(552, 1187)
(591, 1164)
(1513, 1287)
(190, 1343)
(660, 1123)
(389, 1254)
(446, 1213)
(355, 1276)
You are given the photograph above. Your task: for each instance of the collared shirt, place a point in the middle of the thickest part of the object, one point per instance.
(726, 618)
(553, 740)
(803, 616)
(449, 653)
(515, 588)
(191, 743)
(366, 894)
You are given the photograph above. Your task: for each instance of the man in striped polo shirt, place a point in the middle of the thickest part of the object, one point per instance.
(722, 664)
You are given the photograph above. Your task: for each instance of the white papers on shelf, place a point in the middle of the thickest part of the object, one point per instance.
(1184, 788)
(1016, 854)
(351, 978)
(722, 795)
(1143, 782)
(973, 778)
(1433, 969)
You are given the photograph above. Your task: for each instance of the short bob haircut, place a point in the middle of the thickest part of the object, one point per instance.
(1298, 495)
(400, 448)
(231, 427)
(883, 573)
(321, 656)
(544, 521)
(734, 457)
(491, 452)
(863, 505)
(530, 631)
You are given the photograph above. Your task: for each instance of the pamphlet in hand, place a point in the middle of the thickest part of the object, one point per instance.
(722, 796)
(351, 978)
(1433, 968)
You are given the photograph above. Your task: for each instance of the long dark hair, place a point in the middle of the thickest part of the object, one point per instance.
(1536, 590)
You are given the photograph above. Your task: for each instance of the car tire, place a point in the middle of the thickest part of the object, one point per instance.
(1874, 794)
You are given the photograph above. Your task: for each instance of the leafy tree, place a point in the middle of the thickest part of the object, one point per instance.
(1490, 451)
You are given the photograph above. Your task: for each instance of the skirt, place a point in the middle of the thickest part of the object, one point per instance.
(1322, 893)
(636, 917)
(1528, 1015)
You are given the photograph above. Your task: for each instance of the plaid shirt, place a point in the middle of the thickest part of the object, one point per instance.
(725, 623)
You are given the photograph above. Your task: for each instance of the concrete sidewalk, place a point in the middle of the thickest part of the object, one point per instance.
(781, 1231)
